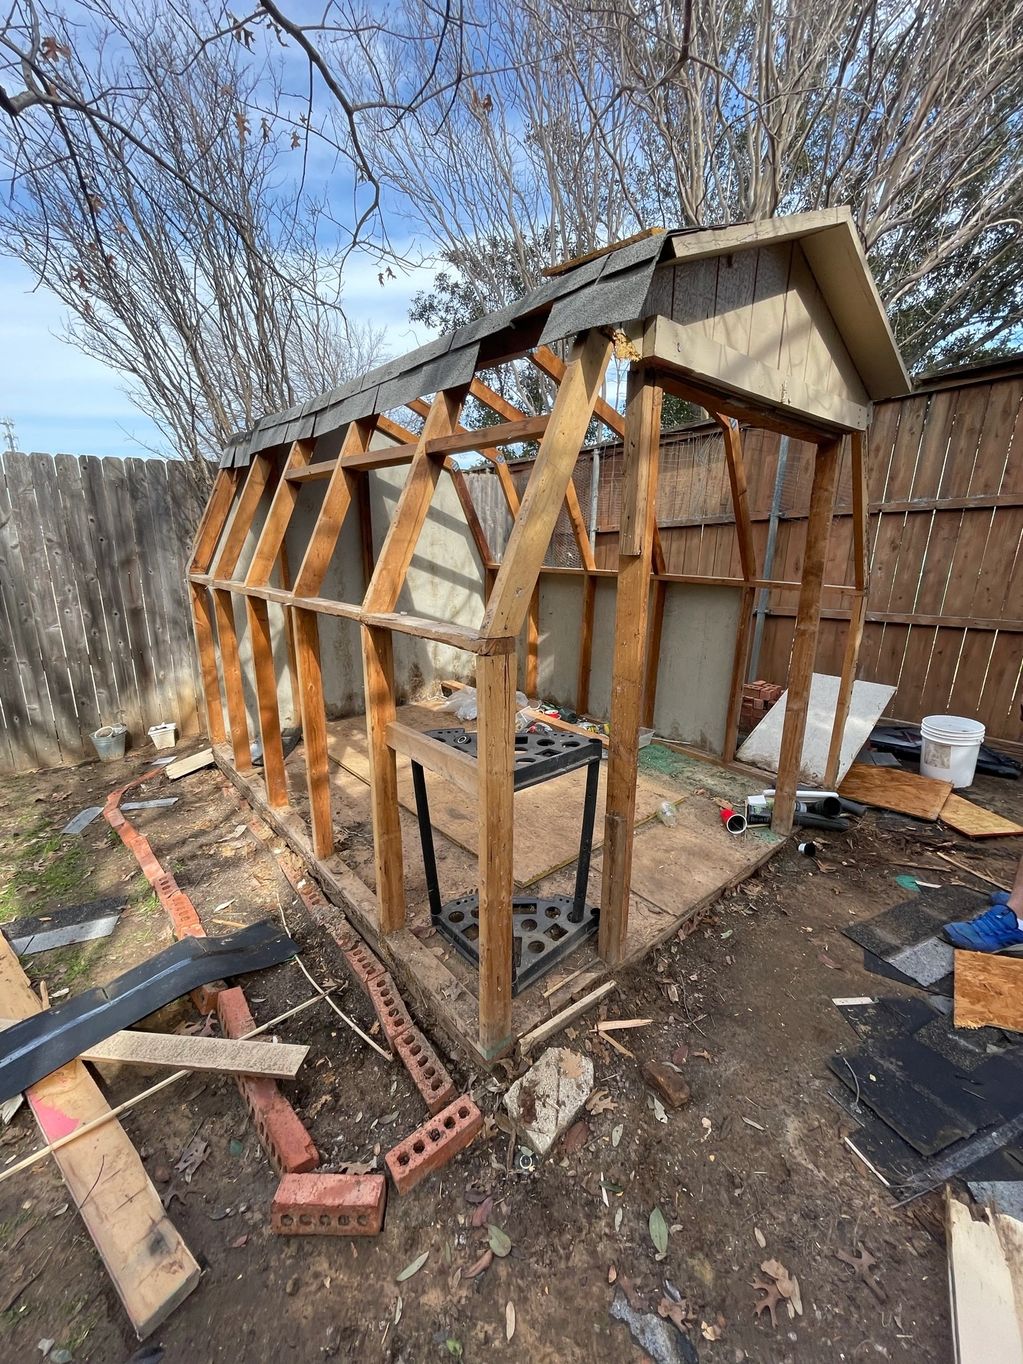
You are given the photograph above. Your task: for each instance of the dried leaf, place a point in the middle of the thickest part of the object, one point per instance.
(192, 1157)
(239, 1241)
(498, 1240)
(659, 1231)
(612, 1273)
(600, 1102)
(616, 1134)
(680, 1055)
(575, 1138)
(710, 1332)
(509, 1321)
(657, 1107)
(413, 1267)
(761, 1238)
(397, 1309)
(481, 1215)
(571, 1065)
(618, 1219)
(672, 1311)
(481, 1265)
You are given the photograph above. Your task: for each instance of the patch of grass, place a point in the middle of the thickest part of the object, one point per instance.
(40, 869)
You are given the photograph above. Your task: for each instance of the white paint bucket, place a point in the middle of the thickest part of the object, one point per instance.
(950, 748)
(165, 735)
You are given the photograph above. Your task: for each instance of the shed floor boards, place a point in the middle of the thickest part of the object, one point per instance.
(676, 873)
(547, 817)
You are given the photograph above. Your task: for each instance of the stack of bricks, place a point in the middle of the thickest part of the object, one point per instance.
(757, 700)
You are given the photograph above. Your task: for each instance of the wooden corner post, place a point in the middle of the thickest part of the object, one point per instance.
(495, 690)
(808, 619)
(854, 632)
(635, 552)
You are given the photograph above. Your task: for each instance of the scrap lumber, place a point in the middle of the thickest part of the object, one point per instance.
(985, 1282)
(151, 1267)
(988, 991)
(181, 767)
(180, 1051)
(974, 821)
(889, 788)
(566, 1015)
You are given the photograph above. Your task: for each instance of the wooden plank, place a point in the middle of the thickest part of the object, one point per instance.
(976, 822)
(890, 788)
(442, 631)
(565, 265)
(213, 519)
(472, 519)
(642, 449)
(985, 1277)
(804, 645)
(854, 634)
(212, 1055)
(378, 675)
(105, 490)
(149, 1264)
(40, 621)
(565, 1016)
(333, 510)
(243, 515)
(202, 626)
(275, 526)
(413, 505)
(545, 492)
(503, 433)
(234, 693)
(265, 679)
(582, 689)
(495, 691)
(988, 991)
(460, 769)
(545, 360)
(314, 729)
(27, 712)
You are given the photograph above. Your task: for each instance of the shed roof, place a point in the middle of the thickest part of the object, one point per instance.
(607, 290)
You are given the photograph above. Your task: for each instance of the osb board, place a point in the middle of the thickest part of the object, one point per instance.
(889, 788)
(548, 817)
(440, 985)
(988, 991)
(974, 821)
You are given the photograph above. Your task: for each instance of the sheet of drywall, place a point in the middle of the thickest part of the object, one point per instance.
(869, 700)
(695, 665)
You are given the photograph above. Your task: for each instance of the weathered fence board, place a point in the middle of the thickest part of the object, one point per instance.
(93, 614)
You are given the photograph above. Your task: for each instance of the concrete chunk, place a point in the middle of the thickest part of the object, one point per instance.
(545, 1102)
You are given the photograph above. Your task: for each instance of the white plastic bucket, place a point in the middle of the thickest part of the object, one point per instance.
(108, 742)
(165, 735)
(950, 748)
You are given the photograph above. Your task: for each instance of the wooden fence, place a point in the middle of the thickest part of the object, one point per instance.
(945, 606)
(93, 614)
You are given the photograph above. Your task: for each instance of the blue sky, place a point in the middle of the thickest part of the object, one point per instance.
(63, 402)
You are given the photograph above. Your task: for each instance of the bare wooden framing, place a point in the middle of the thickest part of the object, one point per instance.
(512, 581)
(858, 615)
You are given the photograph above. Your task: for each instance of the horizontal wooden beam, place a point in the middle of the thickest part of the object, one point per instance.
(458, 768)
(440, 631)
(1008, 627)
(502, 433)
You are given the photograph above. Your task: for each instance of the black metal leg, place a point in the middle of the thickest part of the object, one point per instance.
(582, 875)
(426, 839)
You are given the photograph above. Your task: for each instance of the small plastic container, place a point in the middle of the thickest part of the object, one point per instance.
(950, 748)
(108, 742)
(165, 735)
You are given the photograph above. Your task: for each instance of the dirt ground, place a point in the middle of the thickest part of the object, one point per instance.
(754, 1168)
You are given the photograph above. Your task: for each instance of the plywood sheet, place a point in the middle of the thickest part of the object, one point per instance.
(889, 788)
(988, 991)
(869, 699)
(985, 1277)
(547, 817)
(976, 822)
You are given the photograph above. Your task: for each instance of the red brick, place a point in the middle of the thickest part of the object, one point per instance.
(329, 1205)
(425, 1066)
(395, 1019)
(365, 966)
(281, 1132)
(435, 1143)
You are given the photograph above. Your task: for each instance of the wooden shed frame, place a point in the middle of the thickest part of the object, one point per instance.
(747, 355)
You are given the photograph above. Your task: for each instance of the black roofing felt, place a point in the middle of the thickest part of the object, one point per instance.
(610, 288)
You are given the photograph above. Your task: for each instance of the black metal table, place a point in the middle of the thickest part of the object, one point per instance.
(545, 928)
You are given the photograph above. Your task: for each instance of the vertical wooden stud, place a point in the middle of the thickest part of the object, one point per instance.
(314, 729)
(265, 678)
(234, 695)
(202, 624)
(804, 646)
(378, 671)
(639, 488)
(748, 563)
(858, 614)
(495, 688)
(582, 689)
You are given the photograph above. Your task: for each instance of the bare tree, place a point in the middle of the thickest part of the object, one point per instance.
(195, 267)
(594, 119)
